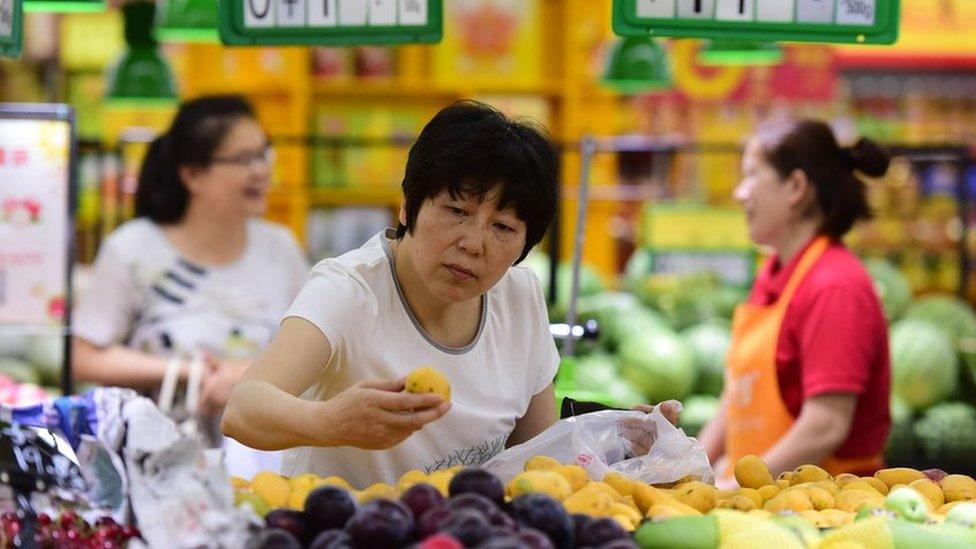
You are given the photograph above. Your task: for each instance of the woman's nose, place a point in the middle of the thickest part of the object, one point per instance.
(741, 192)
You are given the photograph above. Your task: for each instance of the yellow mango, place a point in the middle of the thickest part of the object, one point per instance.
(441, 480)
(543, 463)
(898, 475)
(303, 481)
(811, 473)
(861, 485)
(739, 503)
(239, 483)
(820, 498)
(626, 511)
(408, 479)
(959, 488)
(589, 502)
(272, 487)
(752, 472)
(623, 485)
(377, 491)
(852, 500)
(931, 491)
(333, 481)
(792, 500)
(605, 488)
(428, 380)
(835, 518)
(696, 494)
(663, 512)
(842, 479)
(768, 492)
(625, 522)
(814, 518)
(546, 482)
(761, 513)
(875, 482)
(789, 476)
(828, 486)
(782, 483)
(296, 500)
(574, 475)
(752, 494)
(944, 510)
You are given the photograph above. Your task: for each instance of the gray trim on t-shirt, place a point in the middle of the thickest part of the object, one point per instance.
(390, 234)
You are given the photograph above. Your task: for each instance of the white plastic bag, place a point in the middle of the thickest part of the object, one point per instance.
(612, 440)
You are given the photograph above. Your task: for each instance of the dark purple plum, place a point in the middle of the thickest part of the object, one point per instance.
(331, 539)
(422, 497)
(273, 538)
(510, 541)
(502, 520)
(601, 531)
(545, 514)
(381, 523)
(626, 543)
(580, 522)
(288, 520)
(431, 521)
(477, 481)
(476, 502)
(328, 508)
(534, 539)
(467, 526)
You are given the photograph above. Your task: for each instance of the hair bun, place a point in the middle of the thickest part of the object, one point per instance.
(869, 158)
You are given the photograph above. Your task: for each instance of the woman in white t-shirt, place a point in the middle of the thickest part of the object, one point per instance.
(479, 192)
(198, 273)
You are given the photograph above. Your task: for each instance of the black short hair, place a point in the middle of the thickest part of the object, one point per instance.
(810, 146)
(195, 135)
(470, 148)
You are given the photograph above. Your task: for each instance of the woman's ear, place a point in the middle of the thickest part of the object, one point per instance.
(190, 176)
(402, 215)
(800, 190)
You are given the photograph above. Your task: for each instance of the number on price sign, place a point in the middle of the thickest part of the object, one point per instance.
(330, 22)
(864, 21)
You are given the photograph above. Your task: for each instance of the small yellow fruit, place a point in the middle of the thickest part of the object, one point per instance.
(239, 483)
(296, 500)
(752, 494)
(589, 502)
(428, 380)
(820, 498)
(783, 484)
(543, 463)
(739, 503)
(574, 474)
(898, 475)
(619, 509)
(792, 500)
(828, 486)
(272, 487)
(625, 522)
(861, 485)
(441, 480)
(944, 510)
(623, 485)
(661, 511)
(752, 472)
(842, 479)
(814, 518)
(931, 491)
(303, 481)
(790, 477)
(768, 492)
(334, 481)
(761, 513)
(811, 473)
(959, 487)
(696, 494)
(410, 478)
(881, 487)
(852, 500)
(377, 491)
(606, 489)
(545, 482)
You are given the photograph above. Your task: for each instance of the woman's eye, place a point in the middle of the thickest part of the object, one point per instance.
(456, 211)
(504, 228)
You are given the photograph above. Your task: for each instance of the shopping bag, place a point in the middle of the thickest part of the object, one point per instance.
(644, 447)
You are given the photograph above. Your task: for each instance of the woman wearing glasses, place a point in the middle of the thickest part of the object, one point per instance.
(197, 273)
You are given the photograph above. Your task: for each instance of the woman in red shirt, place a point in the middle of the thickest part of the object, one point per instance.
(808, 376)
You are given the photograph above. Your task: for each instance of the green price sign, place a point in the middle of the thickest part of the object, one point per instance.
(11, 27)
(64, 6)
(330, 22)
(838, 21)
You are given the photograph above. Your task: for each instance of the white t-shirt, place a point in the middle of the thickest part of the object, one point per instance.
(144, 295)
(356, 301)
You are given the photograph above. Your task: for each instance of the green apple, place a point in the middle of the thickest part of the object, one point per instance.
(908, 504)
(679, 533)
(869, 511)
(801, 528)
(252, 500)
(963, 514)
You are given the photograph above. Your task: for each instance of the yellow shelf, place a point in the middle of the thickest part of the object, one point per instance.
(355, 196)
(385, 89)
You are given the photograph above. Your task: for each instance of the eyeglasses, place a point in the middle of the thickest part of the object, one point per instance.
(247, 159)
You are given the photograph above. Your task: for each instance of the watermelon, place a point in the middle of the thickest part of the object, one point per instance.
(697, 411)
(924, 367)
(891, 286)
(659, 362)
(617, 314)
(638, 268)
(901, 447)
(595, 371)
(957, 319)
(947, 433)
(710, 343)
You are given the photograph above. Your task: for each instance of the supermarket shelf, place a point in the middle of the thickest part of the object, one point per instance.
(355, 196)
(392, 89)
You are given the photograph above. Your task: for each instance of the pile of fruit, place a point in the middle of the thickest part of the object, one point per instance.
(68, 531)
(556, 505)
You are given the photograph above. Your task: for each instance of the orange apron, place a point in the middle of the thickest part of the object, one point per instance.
(757, 417)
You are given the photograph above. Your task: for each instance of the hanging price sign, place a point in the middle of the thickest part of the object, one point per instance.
(11, 27)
